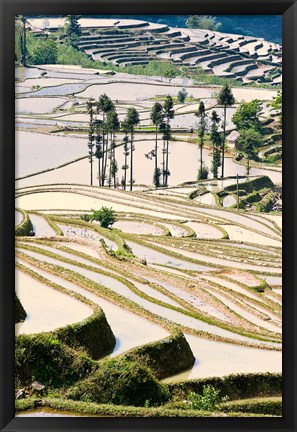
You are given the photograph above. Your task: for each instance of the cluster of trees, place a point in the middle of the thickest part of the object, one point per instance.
(226, 100)
(44, 50)
(247, 122)
(205, 22)
(102, 140)
(103, 126)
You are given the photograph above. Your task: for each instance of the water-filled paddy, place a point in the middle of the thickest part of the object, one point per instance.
(220, 359)
(130, 329)
(36, 152)
(136, 91)
(41, 227)
(37, 105)
(60, 90)
(134, 227)
(65, 201)
(46, 309)
(242, 234)
(205, 231)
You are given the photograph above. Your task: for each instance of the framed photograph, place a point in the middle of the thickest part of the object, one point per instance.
(147, 151)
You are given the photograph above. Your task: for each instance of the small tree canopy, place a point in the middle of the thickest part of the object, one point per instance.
(182, 95)
(72, 29)
(46, 52)
(157, 114)
(106, 216)
(247, 116)
(203, 22)
(250, 140)
(225, 96)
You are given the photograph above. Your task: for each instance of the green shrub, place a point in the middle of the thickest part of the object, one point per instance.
(181, 95)
(239, 386)
(44, 358)
(210, 400)
(85, 217)
(44, 52)
(122, 383)
(106, 217)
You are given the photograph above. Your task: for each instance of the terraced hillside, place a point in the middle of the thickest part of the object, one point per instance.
(180, 292)
(132, 42)
(169, 263)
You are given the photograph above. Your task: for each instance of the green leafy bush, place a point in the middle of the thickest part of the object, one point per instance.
(122, 383)
(237, 386)
(181, 95)
(210, 400)
(44, 358)
(106, 217)
(85, 217)
(45, 52)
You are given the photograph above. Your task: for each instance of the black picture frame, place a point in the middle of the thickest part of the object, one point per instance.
(10, 8)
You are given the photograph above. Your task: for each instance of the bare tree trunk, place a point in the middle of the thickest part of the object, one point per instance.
(167, 160)
(201, 162)
(103, 151)
(224, 139)
(106, 156)
(131, 163)
(164, 167)
(156, 150)
(114, 168)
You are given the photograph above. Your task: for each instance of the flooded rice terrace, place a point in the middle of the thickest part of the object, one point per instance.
(170, 259)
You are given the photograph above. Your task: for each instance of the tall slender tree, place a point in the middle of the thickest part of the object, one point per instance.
(216, 140)
(73, 29)
(98, 150)
(113, 125)
(104, 105)
(201, 114)
(23, 41)
(90, 110)
(225, 99)
(168, 115)
(157, 118)
(125, 166)
(132, 119)
(249, 140)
